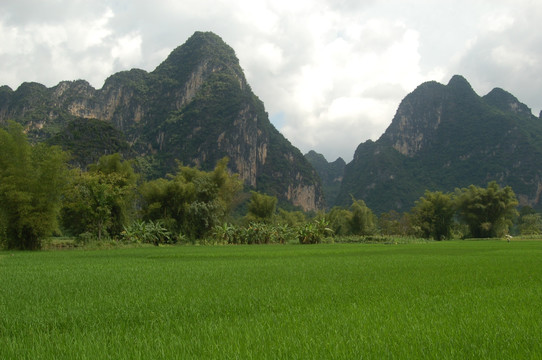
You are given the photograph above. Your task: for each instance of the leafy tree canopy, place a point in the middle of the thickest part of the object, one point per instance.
(192, 201)
(487, 212)
(100, 201)
(433, 215)
(32, 179)
(261, 207)
(363, 220)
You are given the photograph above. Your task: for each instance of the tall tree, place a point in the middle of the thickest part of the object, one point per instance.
(193, 201)
(261, 207)
(100, 201)
(340, 220)
(433, 215)
(394, 223)
(32, 179)
(363, 220)
(488, 212)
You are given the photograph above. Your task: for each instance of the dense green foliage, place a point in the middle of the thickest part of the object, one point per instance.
(362, 221)
(32, 179)
(261, 208)
(107, 202)
(146, 232)
(394, 223)
(488, 212)
(445, 300)
(195, 107)
(101, 201)
(192, 201)
(529, 222)
(89, 139)
(252, 233)
(314, 232)
(445, 137)
(358, 220)
(330, 174)
(433, 215)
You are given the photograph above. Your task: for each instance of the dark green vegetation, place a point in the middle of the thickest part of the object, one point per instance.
(192, 202)
(487, 212)
(196, 107)
(331, 174)
(99, 202)
(111, 201)
(452, 300)
(443, 137)
(89, 139)
(32, 179)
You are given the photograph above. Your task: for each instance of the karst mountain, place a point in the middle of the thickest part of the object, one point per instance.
(196, 107)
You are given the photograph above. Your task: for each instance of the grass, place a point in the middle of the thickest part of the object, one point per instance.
(439, 300)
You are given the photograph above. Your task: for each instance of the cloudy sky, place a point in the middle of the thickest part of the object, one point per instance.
(330, 72)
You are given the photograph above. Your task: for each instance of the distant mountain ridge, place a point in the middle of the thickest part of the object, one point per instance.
(443, 137)
(196, 107)
(331, 174)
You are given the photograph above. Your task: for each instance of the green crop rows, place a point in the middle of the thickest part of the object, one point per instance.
(441, 300)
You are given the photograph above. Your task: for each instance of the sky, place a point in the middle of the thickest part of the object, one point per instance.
(331, 73)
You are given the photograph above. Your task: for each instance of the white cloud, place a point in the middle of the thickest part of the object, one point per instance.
(332, 72)
(127, 50)
(339, 88)
(506, 52)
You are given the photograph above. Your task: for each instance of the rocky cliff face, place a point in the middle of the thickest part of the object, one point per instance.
(410, 130)
(444, 137)
(196, 107)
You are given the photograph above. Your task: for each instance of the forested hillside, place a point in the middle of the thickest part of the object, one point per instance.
(195, 107)
(444, 137)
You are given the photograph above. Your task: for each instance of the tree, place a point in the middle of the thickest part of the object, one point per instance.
(192, 202)
(339, 221)
(394, 223)
(487, 212)
(100, 201)
(433, 215)
(291, 218)
(32, 179)
(261, 207)
(531, 225)
(362, 221)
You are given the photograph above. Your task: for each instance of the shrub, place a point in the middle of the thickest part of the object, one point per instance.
(313, 232)
(147, 232)
(253, 233)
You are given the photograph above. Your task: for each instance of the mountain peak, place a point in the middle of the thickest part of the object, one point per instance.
(416, 119)
(459, 83)
(314, 156)
(195, 107)
(200, 48)
(444, 137)
(506, 102)
(331, 174)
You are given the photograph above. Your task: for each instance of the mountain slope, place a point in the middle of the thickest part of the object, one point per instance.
(446, 136)
(331, 174)
(195, 107)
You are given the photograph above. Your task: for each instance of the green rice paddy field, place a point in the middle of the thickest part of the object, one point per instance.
(438, 300)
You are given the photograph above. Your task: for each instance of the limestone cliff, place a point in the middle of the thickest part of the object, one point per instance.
(195, 107)
(444, 137)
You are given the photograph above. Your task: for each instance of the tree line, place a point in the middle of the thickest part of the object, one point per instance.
(40, 196)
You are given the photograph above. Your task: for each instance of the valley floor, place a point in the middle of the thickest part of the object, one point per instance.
(445, 300)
